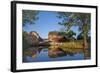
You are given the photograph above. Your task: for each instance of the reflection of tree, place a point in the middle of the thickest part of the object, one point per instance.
(32, 51)
(87, 53)
(58, 51)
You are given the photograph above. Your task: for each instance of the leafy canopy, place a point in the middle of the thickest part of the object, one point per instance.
(70, 19)
(29, 16)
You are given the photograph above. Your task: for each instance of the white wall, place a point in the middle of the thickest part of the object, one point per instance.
(5, 37)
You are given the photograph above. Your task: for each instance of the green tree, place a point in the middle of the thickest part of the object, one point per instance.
(25, 43)
(82, 20)
(70, 33)
(29, 16)
(80, 36)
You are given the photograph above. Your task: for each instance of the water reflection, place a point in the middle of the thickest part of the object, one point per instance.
(32, 51)
(54, 53)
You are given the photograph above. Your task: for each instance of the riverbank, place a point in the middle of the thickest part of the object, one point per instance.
(71, 44)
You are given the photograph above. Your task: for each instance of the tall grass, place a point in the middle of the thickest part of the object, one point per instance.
(72, 44)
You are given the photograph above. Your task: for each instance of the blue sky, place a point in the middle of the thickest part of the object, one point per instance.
(47, 22)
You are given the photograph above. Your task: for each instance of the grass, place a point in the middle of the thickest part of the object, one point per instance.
(71, 44)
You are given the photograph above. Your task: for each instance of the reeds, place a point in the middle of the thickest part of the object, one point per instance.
(71, 44)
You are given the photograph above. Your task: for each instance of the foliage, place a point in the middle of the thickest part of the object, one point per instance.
(29, 16)
(70, 33)
(24, 34)
(75, 19)
(82, 20)
(25, 43)
(80, 36)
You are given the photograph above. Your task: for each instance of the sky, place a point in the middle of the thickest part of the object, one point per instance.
(47, 22)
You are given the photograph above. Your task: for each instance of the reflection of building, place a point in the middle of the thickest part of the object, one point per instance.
(57, 37)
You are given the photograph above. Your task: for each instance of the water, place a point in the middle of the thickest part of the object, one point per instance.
(45, 54)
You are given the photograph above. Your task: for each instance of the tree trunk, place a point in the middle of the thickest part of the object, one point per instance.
(85, 44)
(86, 48)
(85, 41)
(85, 32)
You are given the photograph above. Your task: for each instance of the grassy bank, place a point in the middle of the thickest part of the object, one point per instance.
(72, 44)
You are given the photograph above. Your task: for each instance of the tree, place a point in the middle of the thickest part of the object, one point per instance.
(70, 33)
(82, 20)
(29, 16)
(80, 36)
(25, 43)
